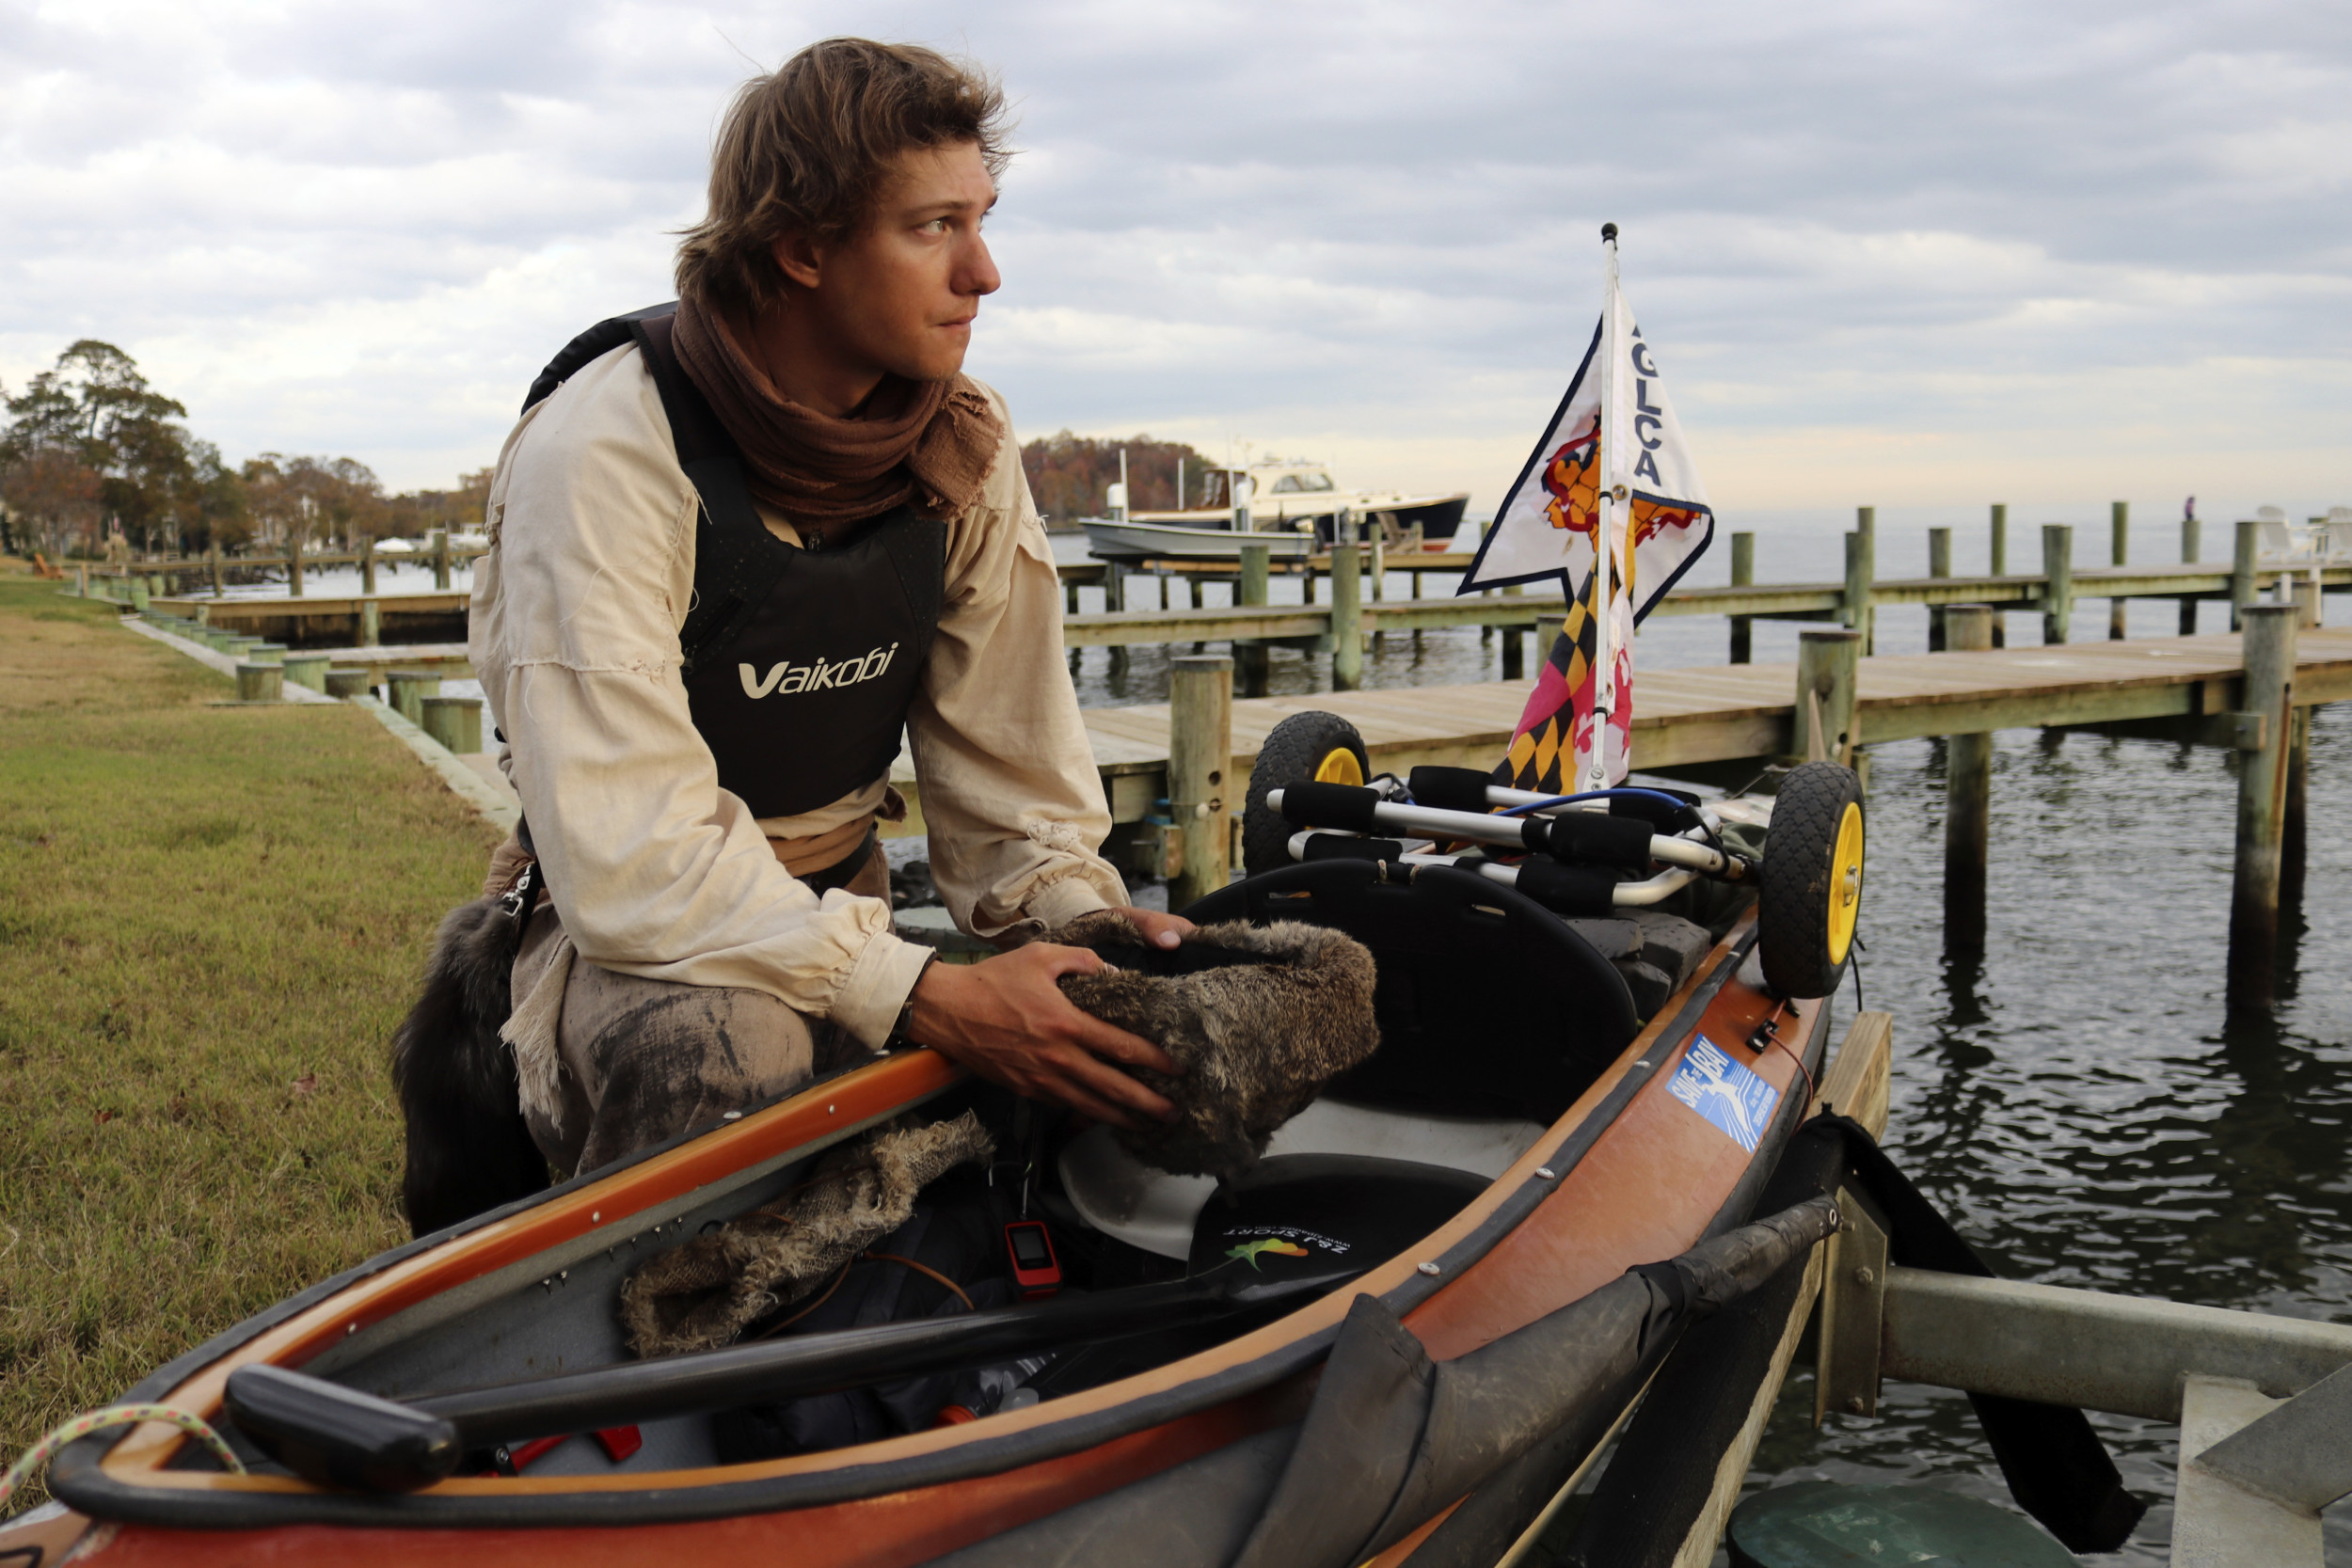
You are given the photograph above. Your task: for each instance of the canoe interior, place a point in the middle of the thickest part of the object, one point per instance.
(549, 1305)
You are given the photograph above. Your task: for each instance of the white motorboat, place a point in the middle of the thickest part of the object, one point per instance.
(1293, 505)
(1109, 539)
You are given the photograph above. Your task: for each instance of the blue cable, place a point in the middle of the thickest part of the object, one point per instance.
(1595, 794)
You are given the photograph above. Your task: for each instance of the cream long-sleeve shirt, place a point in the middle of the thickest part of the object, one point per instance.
(659, 872)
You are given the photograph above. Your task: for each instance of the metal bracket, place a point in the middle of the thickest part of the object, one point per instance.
(2251, 729)
(1853, 1295)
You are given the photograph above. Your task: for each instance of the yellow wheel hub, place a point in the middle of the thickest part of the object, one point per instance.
(1339, 765)
(1845, 883)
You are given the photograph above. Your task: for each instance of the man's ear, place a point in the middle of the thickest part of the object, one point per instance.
(801, 258)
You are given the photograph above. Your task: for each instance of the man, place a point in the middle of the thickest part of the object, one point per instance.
(700, 722)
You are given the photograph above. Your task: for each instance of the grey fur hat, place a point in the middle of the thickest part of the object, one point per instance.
(1262, 1018)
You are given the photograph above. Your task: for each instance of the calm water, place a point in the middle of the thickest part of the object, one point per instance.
(2079, 1101)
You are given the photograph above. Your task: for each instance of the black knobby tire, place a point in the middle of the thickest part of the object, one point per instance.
(1295, 753)
(1797, 897)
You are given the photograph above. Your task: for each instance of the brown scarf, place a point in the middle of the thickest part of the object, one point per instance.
(931, 443)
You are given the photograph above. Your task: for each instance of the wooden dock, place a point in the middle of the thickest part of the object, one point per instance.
(294, 620)
(1686, 717)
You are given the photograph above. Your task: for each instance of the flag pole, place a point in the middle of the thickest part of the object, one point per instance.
(1605, 540)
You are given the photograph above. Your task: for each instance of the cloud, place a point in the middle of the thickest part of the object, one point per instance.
(1918, 247)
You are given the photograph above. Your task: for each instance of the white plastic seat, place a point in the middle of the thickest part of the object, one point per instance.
(1121, 1197)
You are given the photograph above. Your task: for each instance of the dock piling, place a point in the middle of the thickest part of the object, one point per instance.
(2293, 838)
(367, 567)
(2119, 553)
(1250, 590)
(1861, 570)
(2189, 557)
(211, 563)
(349, 681)
(454, 721)
(370, 624)
(1199, 757)
(260, 683)
(1347, 620)
(1997, 564)
(2267, 746)
(1967, 795)
(1853, 603)
(2243, 576)
(409, 689)
(1939, 565)
(1548, 630)
(2058, 570)
(1742, 576)
(293, 565)
(2306, 601)
(440, 559)
(1823, 722)
(306, 670)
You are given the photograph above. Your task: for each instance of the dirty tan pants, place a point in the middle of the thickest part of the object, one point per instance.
(639, 1061)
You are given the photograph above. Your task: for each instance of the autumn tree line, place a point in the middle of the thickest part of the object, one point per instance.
(91, 451)
(1069, 475)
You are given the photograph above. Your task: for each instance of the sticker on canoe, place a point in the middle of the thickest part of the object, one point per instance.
(1725, 1092)
(1247, 1251)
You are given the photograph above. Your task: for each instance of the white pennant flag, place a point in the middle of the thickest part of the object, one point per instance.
(1644, 492)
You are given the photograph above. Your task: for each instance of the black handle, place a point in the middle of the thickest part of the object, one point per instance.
(340, 1436)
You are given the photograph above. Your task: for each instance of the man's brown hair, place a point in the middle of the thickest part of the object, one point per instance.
(808, 149)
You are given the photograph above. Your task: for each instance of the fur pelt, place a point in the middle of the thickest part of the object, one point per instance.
(701, 1295)
(1258, 1037)
(469, 1150)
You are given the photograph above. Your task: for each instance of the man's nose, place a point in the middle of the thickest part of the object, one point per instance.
(976, 273)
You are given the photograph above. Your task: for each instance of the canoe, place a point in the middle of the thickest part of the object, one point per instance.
(1475, 1195)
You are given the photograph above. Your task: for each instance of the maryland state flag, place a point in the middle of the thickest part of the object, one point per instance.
(1612, 482)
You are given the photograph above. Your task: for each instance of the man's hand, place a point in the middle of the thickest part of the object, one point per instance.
(1159, 927)
(1006, 1019)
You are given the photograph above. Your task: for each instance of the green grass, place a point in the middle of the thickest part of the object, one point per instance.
(210, 919)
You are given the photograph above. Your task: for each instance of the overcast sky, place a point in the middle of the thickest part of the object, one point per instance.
(1892, 253)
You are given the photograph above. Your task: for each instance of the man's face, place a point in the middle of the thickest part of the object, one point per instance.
(900, 295)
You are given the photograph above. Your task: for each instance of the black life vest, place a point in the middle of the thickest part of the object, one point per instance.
(800, 664)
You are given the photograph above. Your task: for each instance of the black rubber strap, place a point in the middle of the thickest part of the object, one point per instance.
(736, 561)
(595, 343)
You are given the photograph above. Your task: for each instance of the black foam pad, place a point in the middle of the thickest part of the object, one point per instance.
(1335, 846)
(1579, 891)
(1449, 788)
(1330, 805)
(1589, 838)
